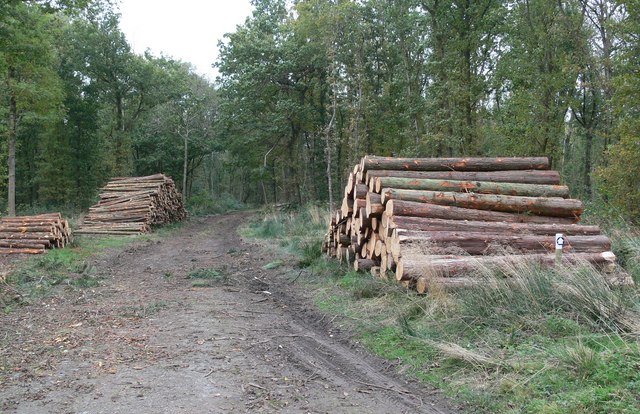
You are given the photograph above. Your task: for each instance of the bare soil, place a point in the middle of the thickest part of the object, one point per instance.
(147, 341)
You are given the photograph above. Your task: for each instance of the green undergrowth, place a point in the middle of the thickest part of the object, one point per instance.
(299, 231)
(625, 237)
(543, 341)
(208, 277)
(203, 204)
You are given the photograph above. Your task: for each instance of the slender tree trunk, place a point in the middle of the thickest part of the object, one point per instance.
(328, 144)
(121, 155)
(588, 149)
(12, 136)
(185, 165)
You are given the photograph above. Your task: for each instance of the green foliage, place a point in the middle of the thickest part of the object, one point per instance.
(544, 341)
(299, 231)
(36, 277)
(273, 265)
(208, 277)
(204, 204)
(618, 180)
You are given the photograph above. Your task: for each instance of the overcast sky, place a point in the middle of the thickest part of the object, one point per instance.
(188, 30)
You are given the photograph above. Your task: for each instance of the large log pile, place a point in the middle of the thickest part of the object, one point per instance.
(132, 205)
(33, 234)
(433, 220)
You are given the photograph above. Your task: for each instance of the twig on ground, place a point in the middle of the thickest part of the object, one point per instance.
(297, 277)
(382, 387)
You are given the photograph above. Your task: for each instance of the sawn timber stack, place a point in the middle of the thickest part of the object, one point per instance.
(33, 234)
(132, 205)
(437, 220)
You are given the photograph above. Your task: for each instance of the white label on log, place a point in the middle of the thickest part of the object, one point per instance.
(560, 240)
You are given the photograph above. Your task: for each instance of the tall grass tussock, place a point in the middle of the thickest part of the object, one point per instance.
(541, 340)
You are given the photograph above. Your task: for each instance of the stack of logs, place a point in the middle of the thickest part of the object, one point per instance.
(131, 205)
(33, 234)
(432, 220)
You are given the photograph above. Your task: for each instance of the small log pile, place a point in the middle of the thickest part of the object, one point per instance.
(33, 234)
(432, 220)
(132, 205)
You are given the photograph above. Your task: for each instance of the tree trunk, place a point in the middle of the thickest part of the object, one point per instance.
(433, 224)
(475, 243)
(12, 137)
(480, 187)
(453, 164)
(426, 284)
(185, 164)
(363, 264)
(410, 208)
(545, 177)
(552, 207)
(374, 207)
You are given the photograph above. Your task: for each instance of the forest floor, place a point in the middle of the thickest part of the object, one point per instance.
(196, 321)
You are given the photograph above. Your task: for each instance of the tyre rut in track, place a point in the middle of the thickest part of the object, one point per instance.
(148, 341)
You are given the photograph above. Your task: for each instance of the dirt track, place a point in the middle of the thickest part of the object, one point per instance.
(146, 341)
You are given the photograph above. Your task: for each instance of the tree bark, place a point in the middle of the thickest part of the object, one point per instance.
(185, 163)
(552, 207)
(453, 164)
(12, 137)
(426, 284)
(545, 177)
(363, 264)
(475, 243)
(480, 187)
(431, 224)
(415, 209)
(374, 205)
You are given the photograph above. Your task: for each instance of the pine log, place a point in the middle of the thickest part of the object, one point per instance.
(480, 187)
(545, 177)
(347, 206)
(52, 238)
(551, 207)
(415, 267)
(426, 284)
(374, 207)
(431, 224)
(22, 251)
(361, 191)
(24, 244)
(363, 265)
(348, 189)
(416, 209)
(148, 200)
(383, 267)
(476, 243)
(453, 164)
(10, 228)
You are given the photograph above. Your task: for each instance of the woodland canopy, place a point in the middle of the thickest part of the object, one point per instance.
(307, 87)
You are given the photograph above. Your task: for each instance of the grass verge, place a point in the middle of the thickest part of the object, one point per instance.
(544, 341)
(35, 277)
